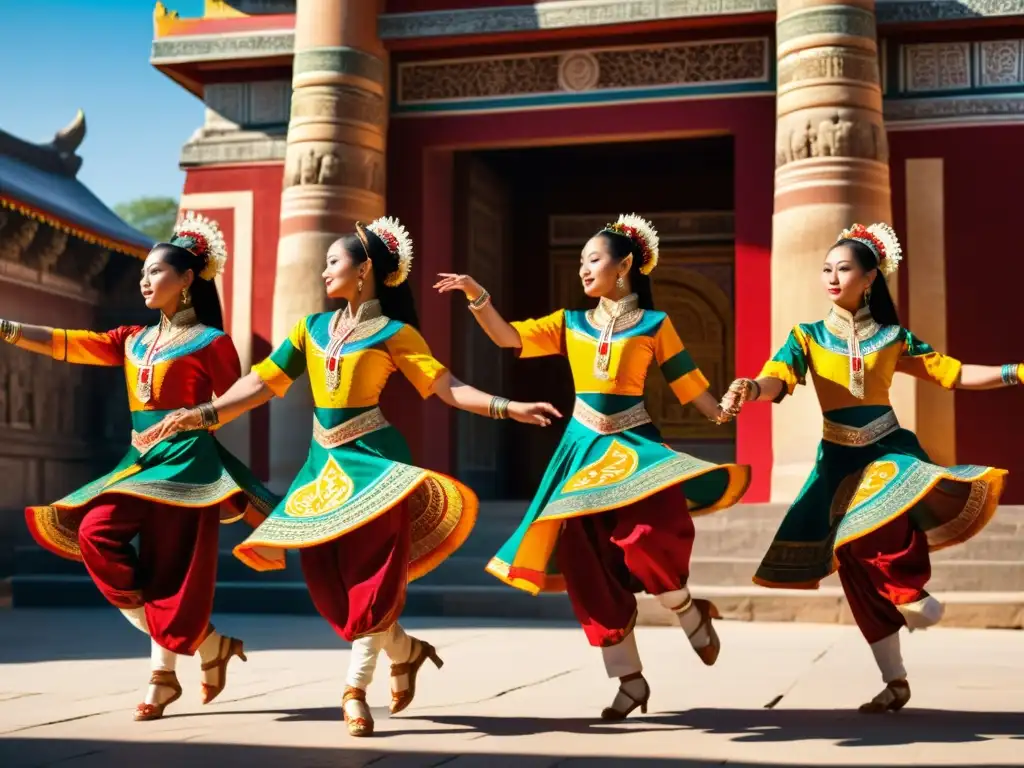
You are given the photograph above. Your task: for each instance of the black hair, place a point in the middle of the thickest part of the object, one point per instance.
(881, 304)
(621, 246)
(205, 300)
(395, 302)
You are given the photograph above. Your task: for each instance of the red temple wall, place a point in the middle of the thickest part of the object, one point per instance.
(420, 160)
(264, 181)
(982, 170)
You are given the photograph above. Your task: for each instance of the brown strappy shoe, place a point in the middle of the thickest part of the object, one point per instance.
(611, 713)
(357, 726)
(892, 698)
(402, 699)
(708, 611)
(163, 679)
(229, 648)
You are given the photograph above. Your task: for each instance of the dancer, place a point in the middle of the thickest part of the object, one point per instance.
(364, 519)
(615, 499)
(874, 505)
(172, 494)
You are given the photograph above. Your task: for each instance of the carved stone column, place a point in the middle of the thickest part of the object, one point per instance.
(831, 170)
(334, 175)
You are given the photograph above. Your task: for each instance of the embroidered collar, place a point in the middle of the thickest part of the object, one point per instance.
(846, 325)
(183, 318)
(608, 310)
(344, 321)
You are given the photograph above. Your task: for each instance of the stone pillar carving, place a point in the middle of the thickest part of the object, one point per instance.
(831, 170)
(334, 175)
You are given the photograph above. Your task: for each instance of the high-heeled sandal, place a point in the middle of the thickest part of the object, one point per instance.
(892, 698)
(708, 611)
(234, 647)
(611, 713)
(163, 679)
(358, 726)
(402, 699)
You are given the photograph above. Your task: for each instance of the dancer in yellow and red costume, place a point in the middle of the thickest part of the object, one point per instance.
(171, 493)
(874, 505)
(613, 512)
(365, 519)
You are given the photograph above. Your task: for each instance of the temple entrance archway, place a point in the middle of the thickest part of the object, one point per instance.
(520, 219)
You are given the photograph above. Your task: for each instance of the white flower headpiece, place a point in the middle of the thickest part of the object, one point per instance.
(882, 241)
(641, 232)
(392, 233)
(202, 237)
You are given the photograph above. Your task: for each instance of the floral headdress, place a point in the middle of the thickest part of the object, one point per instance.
(643, 234)
(202, 237)
(882, 241)
(391, 232)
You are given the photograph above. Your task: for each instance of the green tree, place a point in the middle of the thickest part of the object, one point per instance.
(153, 215)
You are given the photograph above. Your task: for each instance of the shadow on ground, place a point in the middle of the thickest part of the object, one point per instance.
(31, 753)
(846, 728)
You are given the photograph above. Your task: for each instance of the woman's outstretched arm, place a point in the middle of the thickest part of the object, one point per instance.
(499, 330)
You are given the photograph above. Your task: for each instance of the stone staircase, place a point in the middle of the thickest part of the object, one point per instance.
(982, 582)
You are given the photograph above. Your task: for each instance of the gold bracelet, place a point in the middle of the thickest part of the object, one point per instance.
(208, 415)
(10, 331)
(480, 301)
(498, 408)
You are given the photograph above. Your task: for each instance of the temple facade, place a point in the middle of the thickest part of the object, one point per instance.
(66, 260)
(751, 132)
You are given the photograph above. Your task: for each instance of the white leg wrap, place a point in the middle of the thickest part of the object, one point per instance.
(397, 644)
(922, 614)
(365, 651)
(622, 659)
(162, 659)
(137, 618)
(681, 602)
(889, 659)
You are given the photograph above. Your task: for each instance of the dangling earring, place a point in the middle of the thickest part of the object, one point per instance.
(867, 297)
(621, 283)
(186, 299)
(359, 286)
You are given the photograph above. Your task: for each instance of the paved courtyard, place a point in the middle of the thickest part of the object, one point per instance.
(781, 694)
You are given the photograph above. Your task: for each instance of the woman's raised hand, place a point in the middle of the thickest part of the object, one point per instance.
(448, 282)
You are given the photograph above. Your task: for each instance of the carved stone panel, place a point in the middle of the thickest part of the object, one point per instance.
(1000, 63)
(936, 67)
(829, 132)
(339, 165)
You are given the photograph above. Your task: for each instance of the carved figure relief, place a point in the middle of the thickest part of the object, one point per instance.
(20, 397)
(340, 166)
(835, 135)
(18, 239)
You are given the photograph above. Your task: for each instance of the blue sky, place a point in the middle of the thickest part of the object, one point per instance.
(60, 55)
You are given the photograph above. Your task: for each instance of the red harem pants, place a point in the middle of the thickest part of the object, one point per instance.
(358, 581)
(886, 568)
(607, 557)
(172, 575)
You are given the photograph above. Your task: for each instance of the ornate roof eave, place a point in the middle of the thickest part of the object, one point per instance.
(182, 48)
(38, 181)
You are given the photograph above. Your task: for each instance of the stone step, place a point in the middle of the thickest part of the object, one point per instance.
(981, 610)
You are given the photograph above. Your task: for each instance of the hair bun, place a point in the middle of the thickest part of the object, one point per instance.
(202, 237)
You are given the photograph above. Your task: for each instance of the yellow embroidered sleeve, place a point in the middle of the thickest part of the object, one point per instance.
(923, 362)
(543, 336)
(412, 357)
(286, 363)
(790, 363)
(681, 373)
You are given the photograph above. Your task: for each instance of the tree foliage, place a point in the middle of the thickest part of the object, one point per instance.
(153, 215)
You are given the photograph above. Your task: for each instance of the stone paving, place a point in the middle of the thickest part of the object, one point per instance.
(508, 695)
